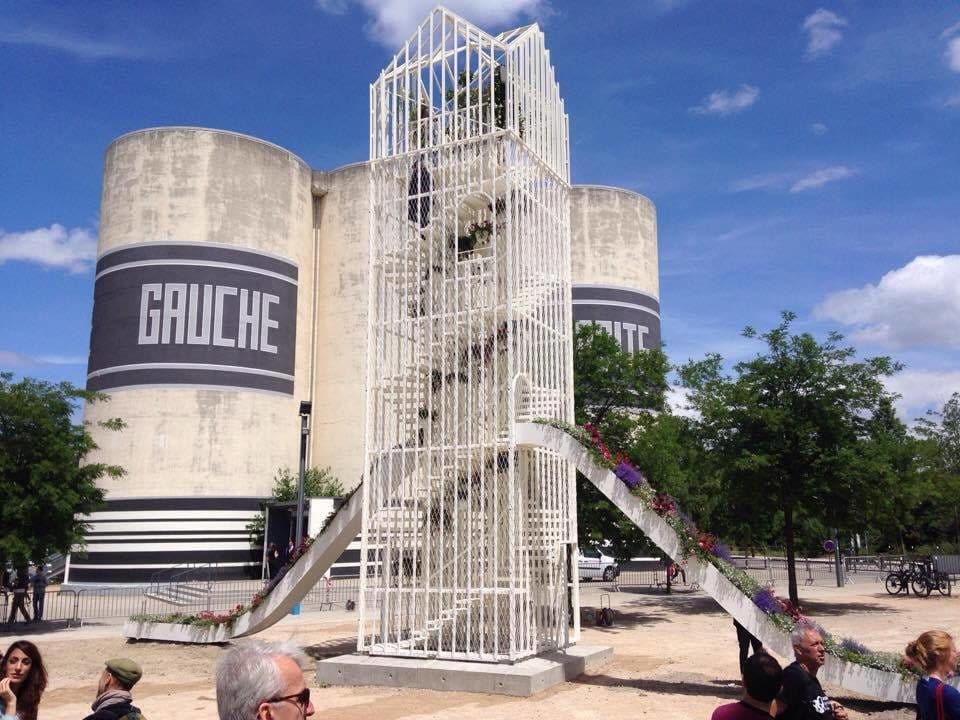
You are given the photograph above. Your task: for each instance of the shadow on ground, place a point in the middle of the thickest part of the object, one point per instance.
(820, 607)
(332, 648)
(707, 688)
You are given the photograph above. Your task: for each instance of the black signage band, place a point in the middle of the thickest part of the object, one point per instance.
(193, 314)
(630, 316)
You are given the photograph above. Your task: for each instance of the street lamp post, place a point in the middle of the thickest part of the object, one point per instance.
(305, 407)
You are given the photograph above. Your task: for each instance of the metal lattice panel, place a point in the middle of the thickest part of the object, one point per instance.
(465, 534)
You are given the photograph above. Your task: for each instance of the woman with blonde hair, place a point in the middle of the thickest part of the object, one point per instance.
(935, 654)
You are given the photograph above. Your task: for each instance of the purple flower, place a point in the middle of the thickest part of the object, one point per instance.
(629, 474)
(854, 646)
(721, 551)
(767, 601)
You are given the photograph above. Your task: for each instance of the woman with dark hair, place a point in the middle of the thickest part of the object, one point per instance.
(23, 681)
(935, 655)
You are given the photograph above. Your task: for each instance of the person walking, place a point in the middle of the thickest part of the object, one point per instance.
(39, 591)
(20, 587)
(935, 653)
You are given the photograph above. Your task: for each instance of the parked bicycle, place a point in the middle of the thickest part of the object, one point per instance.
(928, 580)
(920, 576)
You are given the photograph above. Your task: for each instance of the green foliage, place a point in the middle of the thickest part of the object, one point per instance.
(608, 379)
(613, 390)
(317, 482)
(47, 485)
(943, 430)
(790, 431)
(471, 91)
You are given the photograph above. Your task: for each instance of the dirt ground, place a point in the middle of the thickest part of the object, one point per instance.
(676, 653)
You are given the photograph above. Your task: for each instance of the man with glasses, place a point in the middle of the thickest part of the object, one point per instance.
(262, 681)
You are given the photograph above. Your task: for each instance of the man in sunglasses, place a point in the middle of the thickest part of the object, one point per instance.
(262, 681)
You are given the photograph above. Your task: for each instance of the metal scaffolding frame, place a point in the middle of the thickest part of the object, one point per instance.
(466, 537)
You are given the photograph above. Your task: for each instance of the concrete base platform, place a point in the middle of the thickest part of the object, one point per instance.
(522, 679)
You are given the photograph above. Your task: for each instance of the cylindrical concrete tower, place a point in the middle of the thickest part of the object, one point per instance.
(201, 333)
(339, 399)
(616, 281)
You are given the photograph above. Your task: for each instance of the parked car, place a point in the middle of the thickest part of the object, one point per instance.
(594, 565)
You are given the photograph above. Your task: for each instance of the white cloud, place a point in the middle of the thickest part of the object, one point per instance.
(917, 305)
(10, 358)
(760, 182)
(953, 54)
(952, 101)
(395, 20)
(55, 246)
(723, 102)
(821, 177)
(922, 390)
(823, 32)
(84, 48)
(818, 128)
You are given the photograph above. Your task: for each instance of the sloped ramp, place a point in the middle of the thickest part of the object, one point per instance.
(295, 584)
(345, 526)
(299, 579)
(875, 683)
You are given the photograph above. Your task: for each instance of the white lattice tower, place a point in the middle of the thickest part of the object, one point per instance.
(465, 535)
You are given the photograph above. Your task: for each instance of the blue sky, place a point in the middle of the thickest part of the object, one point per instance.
(802, 156)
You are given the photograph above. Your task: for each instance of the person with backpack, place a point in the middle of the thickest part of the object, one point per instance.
(114, 700)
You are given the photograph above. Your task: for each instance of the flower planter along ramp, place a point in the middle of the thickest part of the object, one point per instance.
(299, 579)
(873, 682)
(295, 584)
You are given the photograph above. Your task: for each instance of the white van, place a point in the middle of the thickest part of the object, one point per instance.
(594, 565)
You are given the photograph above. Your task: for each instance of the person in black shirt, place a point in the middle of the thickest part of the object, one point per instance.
(802, 697)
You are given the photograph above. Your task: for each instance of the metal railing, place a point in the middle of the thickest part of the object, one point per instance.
(765, 569)
(75, 605)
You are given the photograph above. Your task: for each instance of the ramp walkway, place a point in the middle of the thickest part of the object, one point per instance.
(345, 526)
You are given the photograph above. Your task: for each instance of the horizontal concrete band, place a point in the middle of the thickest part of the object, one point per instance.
(200, 252)
(219, 378)
(602, 294)
(132, 538)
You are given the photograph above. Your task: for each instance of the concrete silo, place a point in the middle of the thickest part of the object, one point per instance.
(201, 324)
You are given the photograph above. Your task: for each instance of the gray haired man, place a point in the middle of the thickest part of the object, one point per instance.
(262, 681)
(802, 696)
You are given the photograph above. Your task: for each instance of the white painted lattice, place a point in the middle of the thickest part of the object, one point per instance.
(465, 535)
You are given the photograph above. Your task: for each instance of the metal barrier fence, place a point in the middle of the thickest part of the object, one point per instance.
(75, 604)
(764, 569)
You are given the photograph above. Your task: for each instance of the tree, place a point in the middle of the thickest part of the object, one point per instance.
(940, 431)
(943, 428)
(47, 486)
(612, 390)
(786, 431)
(317, 482)
(606, 378)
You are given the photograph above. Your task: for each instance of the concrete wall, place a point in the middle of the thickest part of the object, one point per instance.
(613, 256)
(191, 185)
(614, 238)
(339, 404)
